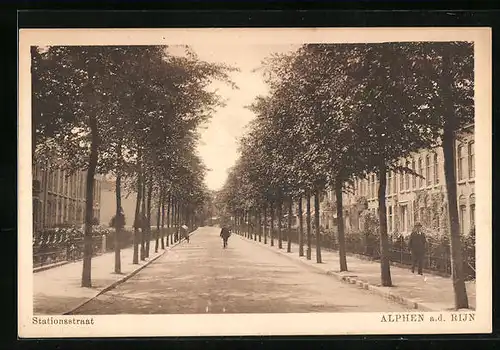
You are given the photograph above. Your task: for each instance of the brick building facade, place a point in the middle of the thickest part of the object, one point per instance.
(411, 198)
(59, 197)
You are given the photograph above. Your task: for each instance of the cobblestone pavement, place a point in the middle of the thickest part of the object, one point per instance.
(202, 277)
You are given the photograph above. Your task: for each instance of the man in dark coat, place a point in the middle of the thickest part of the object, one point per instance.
(417, 247)
(225, 233)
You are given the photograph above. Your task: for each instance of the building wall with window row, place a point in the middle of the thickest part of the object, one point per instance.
(59, 197)
(411, 198)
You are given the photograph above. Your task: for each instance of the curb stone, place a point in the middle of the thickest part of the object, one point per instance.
(125, 277)
(48, 267)
(349, 279)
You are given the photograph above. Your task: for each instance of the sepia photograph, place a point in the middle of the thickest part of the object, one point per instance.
(196, 182)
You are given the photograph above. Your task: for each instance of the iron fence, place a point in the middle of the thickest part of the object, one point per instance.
(437, 257)
(50, 247)
(67, 244)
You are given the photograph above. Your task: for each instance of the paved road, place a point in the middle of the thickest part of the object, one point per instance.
(201, 277)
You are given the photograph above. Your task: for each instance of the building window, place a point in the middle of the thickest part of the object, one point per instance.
(401, 182)
(372, 186)
(407, 178)
(389, 182)
(414, 178)
(436, 169)
(404, 218)
(428, 170)
(420, 172)
(472, 215)
(84, 188)
(394, 183)
(472, 201)
(56, 181)
(462, 219)
(60, 212)
(460, 163)
(61, 183)
(390, 219)
(69, 185)
(55, 184)
(472, 168)
(48, 220)
(49, 180)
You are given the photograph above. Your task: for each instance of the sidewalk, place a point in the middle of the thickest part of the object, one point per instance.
(58, 290)
(427, 293)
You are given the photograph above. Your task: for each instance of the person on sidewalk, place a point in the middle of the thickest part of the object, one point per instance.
(417, 245)
(225, 233)
(185, 232)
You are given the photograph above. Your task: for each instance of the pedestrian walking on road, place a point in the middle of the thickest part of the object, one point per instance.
(417, 245)
(185, 232)
(225, 233)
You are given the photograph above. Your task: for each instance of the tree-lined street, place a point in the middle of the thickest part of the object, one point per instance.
(334, 114)
(201, 277)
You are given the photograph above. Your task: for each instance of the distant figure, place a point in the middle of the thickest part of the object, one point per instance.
(225, 232)
(185, 232)
(417, 248)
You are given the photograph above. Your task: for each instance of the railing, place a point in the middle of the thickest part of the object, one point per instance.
(50, 247)
(67, 244)
(437, 259)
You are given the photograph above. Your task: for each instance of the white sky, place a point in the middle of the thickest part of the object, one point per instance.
(219, 142)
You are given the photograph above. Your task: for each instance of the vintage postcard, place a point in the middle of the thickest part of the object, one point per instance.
(198, 182)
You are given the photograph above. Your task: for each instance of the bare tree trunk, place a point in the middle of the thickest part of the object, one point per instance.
(385, 267)
(241, 229)
(340, 226)
(143, 219)
(251, 219)
(118, 222)
(169, 208)
(449, 128)
(246, 221)
(138, 219)
(316, 223)
(118, 213)
(158, 220)
(148, 228)
(461, 298)
(301, 229)
(162, 238)
(271, 229)
(308, 222)
(259, 222)
(249, 227)
(240, 225)
(89, 205)
(178, 211)
(256, 229)
(289, 238)
(244, 224)
(265, 224)
(173, 220)
(280, 232)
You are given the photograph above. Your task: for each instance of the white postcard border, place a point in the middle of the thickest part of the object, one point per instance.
(257, 324)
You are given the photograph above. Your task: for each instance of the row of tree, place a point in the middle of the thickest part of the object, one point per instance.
(133, 112)
(337, 112)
